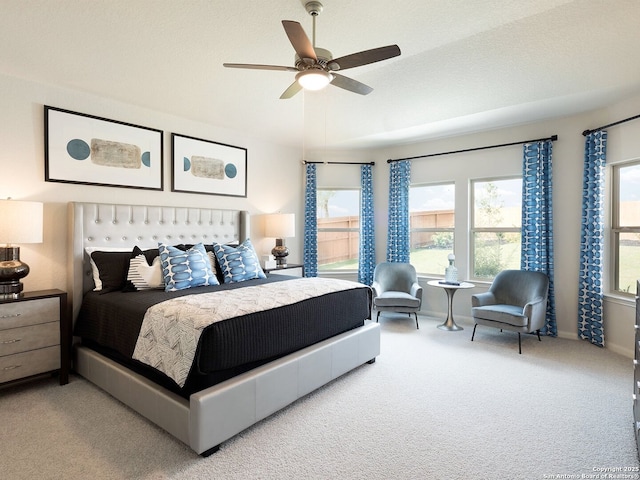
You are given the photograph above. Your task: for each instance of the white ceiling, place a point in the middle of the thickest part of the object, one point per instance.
(466, 65)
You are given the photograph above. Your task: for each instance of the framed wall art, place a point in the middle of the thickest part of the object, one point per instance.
(90, 150)
(204, 166)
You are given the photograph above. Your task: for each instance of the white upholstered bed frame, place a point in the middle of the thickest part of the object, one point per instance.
(218, 413)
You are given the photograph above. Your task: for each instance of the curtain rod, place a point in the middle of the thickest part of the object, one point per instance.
(587, 132)
(339, 163)
(553, 138)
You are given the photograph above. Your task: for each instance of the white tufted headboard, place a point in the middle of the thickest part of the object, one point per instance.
(125, 226)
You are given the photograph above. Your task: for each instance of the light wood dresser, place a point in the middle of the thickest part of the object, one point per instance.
(35, 336)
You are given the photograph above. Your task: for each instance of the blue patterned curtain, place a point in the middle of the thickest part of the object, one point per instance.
(310, 225)
(398, 234)
(537, 220)
(367, 254)
(590, 292)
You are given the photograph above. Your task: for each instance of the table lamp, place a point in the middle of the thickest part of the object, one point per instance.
(280, 226)
(20, 222)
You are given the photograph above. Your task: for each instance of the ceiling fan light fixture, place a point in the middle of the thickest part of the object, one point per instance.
(314, 66)
(314, 79)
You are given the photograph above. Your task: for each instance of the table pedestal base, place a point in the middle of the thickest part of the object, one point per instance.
(449, 324)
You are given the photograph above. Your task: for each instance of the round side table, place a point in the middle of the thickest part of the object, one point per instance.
(449, 324)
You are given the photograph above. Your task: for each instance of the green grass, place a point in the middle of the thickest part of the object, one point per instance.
(344, 265)
(434, 261)
(629, 268)
(431, 260)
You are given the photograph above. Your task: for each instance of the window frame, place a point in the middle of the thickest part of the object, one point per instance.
(339, 230)
(435, 229)
(616, 229)
(473, 230)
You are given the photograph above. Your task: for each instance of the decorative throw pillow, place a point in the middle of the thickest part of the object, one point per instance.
(94, 267)
(185, 269)
(212, 258)
(214, 263)
(112, 269)
(144, 275)
(238, 263)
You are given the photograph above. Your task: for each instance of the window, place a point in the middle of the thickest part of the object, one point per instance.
(495, 226)
(338, 229)
(432, 221)
(626, 227)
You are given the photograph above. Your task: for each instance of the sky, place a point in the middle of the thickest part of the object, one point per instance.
(630, 183)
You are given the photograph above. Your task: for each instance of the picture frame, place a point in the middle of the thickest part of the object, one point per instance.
(208, 167)
(85, 149)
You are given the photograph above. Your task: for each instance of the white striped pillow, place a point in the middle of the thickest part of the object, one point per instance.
(144, 276)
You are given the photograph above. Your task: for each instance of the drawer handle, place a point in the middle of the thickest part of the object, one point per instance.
(11, 316)
(7, 342)
(12, 367)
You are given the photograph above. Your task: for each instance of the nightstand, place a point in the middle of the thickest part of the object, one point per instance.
(293, 269)
(35, 336)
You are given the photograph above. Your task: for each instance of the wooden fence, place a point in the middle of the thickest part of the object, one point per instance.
(336, 247)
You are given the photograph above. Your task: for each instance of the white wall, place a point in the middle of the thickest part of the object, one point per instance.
(568, 153)
(276, 183)
(273, 172)
(507, 161)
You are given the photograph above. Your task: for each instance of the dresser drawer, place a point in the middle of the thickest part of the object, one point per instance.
(22, 339)
(32, 312)
(292, 269)
(29, 363)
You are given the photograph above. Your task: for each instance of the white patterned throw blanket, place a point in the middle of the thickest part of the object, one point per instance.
(171, 330)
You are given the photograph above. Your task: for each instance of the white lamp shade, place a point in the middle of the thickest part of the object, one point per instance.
(20, 222)
(280, 225)
(314, 79)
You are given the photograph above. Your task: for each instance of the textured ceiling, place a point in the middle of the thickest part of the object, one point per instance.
(466, 66)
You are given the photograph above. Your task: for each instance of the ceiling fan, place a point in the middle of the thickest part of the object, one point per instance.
(315, 67)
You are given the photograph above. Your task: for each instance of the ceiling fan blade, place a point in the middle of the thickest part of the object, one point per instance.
(364, 58)
(260, 67)
(301, 43)
(351, 84)
(294, 88)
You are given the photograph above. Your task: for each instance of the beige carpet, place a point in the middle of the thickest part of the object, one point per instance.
(434, 405)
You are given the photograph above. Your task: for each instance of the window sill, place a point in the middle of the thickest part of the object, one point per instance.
(627, 301)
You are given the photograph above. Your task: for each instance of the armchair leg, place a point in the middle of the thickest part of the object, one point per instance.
(417, 326)
(474, 332)
(378, 316)
(538, 332)
(519, 344)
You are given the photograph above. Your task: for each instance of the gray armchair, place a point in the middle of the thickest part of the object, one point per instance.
(516, 301)
(395, 288)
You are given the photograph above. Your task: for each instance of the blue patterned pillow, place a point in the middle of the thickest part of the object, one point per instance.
(185, 269)
(238, 263)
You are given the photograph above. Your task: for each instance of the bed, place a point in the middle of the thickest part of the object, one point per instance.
(220, 403)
